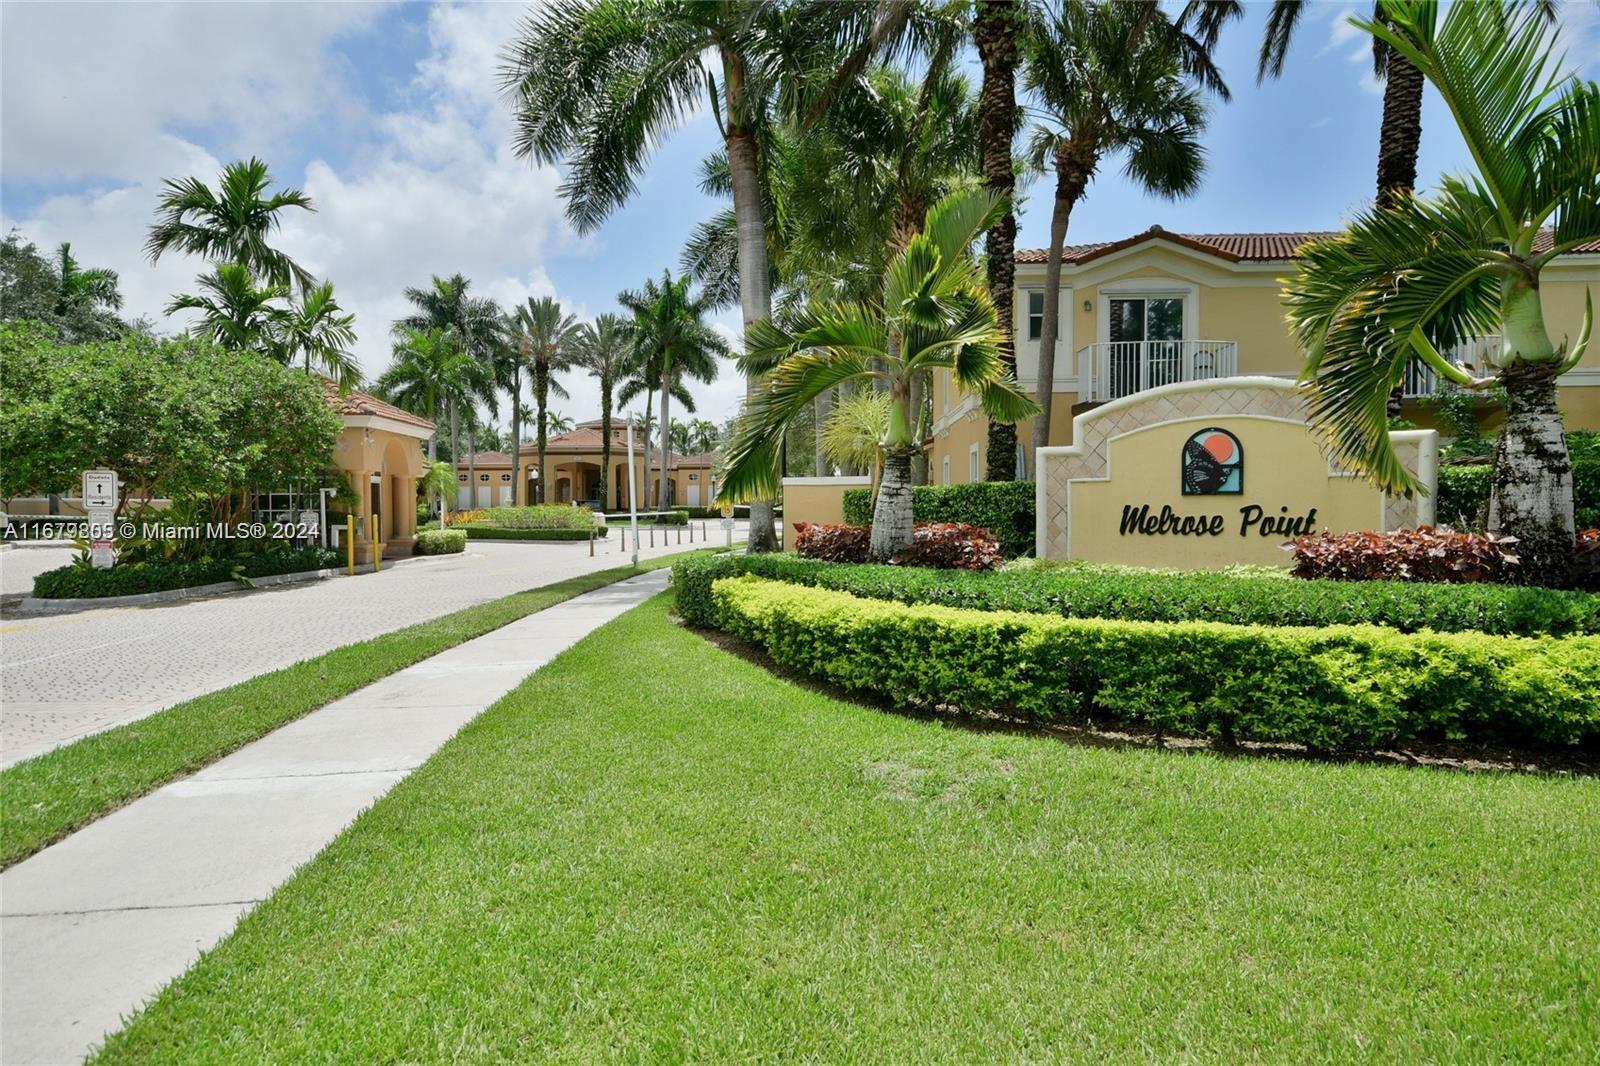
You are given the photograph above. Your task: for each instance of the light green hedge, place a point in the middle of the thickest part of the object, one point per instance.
(441, 541)
(1004, 508)
(480, 531)
(1332, 687)
(540, 516)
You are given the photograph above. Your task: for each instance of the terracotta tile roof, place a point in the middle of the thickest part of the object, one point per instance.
(701, 459)
(356, 402)
(1235, 247)
(488, 459)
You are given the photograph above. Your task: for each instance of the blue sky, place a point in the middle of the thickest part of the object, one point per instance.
(388, 115)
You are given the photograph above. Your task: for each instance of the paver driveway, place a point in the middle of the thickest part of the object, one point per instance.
(64, 676)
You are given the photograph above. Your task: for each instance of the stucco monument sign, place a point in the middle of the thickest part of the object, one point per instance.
(1210, 473)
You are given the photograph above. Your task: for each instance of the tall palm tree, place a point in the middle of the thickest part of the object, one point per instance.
(670, 336)
(559, 423)
(314, 330)
(235, 312)
(432, 373)
(446, 304)
(599, 85)
(934, 312)
(551, 338)
(703, 435)
(996, 25)
(1405, 277)
(231, 223)
(1107, 80)
(602, 350)
(84, 288)
(511, 362)
(640, 376)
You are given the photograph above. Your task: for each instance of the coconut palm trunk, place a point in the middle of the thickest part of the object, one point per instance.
(892, 518)
(472, 458)
(605, 445)
(755, 294)
(994, 31)
(516, 434)
(455, 435)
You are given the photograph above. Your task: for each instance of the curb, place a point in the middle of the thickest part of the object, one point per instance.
(37, 605)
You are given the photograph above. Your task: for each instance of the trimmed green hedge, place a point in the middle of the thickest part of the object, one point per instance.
(1332, 687)
(478, 531)
(1088, 591)
(82, 582)
(1463, 500)
(540, 516)
(441, 541)
(1004, 508)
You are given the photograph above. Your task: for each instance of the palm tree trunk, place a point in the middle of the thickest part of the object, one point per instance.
(455, 437)
(541, 389)
(666, 435)
(605, 444)
(891, 514)
(472, 456)
(755, 295)
(819, 414)
(1401, 133)
(1074, 164)
(644, 446)
(516, 435)
(994, 31)
(1531, 486)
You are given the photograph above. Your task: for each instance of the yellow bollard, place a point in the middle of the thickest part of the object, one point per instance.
(377, 549)
(350, 542)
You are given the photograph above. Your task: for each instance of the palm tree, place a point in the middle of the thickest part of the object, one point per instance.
(229, 224)
(1108, 81)
(854, 433)
(235, 312)
(90, 289)
(559, 423)
(550, 338)
(671, 337)
(510, 360)
(1406, 278)
(703, 435)
(602, 350)
(640, 376)
(314, 331)
(598, 86)
(996, 25)
(431, 374)
(933, 313)
(446, 304)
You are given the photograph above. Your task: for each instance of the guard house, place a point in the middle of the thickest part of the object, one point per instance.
(380, 448)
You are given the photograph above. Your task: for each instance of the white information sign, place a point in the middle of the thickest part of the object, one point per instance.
(99, 489)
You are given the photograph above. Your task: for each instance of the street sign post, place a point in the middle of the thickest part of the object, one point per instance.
(100, 506)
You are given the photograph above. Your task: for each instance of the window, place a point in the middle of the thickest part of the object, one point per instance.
(483, 477)
(461, 477)
(505, 477)
(947, 470)
(972, 464)
(1035, 314)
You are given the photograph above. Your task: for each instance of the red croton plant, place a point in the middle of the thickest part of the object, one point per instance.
(1422, 554)
(942, 545)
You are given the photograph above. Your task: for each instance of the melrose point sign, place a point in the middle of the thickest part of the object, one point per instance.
(1210, 473)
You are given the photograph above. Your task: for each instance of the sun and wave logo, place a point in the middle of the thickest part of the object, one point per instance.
(1213, 464)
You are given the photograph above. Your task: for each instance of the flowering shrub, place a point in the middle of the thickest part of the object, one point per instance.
(1422, 554)
(941, 545)
(465, 518)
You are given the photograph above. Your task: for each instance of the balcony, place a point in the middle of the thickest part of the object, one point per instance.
(1474, 355)
(1113, 369)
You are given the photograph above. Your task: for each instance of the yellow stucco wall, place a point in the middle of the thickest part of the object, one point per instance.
(817, 499)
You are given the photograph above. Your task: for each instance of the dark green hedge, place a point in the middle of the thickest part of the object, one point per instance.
(1333, 687)
(1463, 500)
(482, 532)
(1168, 596)
(441, 541)
(81, 582)
(1004, 508)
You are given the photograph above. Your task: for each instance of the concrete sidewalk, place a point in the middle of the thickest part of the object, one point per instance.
(94, 925)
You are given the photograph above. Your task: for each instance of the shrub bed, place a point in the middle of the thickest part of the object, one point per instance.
(1422, 554)
(1004, 508)
(441, 541)
(1333, 687)
(539, 516)
(82, 582)
(487, 532)
(939, 545)
(1086, 591)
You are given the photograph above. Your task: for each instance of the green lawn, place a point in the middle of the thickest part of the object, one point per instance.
(47, 797)
(653, 849)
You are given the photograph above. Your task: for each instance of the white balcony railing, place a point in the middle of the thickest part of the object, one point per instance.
(1113, 369)
(1475, 354)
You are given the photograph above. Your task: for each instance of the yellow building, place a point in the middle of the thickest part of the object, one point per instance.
(1160, 307)
(380, 449)
(573, 462)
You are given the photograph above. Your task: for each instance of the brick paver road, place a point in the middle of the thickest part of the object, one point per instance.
(64, 676)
